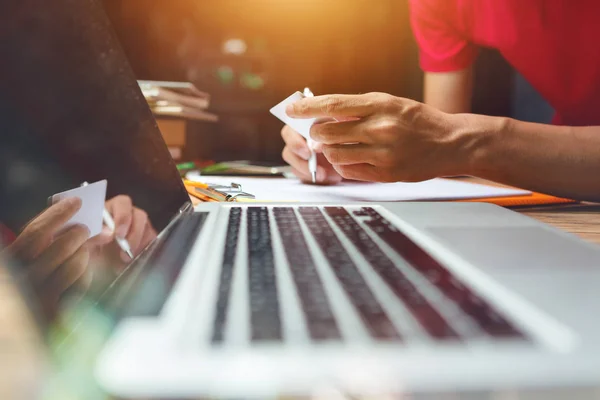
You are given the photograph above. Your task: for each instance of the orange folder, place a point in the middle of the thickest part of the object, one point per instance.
(534, 199)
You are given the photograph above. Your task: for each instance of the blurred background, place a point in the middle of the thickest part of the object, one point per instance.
(251, 54)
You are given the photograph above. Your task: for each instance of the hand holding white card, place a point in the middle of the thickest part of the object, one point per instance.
(92, 198)
(302, 126)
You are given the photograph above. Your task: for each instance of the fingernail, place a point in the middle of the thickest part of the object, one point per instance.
(321, 175)
(73, 201)
(290, 110)
(87, 230)
(121, 232)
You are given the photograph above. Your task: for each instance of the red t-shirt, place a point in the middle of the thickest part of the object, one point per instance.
(6, 236)
(552, 43)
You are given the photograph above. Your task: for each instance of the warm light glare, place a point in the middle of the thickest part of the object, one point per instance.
(235, 46)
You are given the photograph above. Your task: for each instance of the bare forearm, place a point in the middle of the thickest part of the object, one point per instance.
(449, 92)
(563, 161)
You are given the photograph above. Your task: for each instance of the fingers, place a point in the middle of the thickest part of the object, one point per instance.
(302, 176)
(295, 142)
(63, 247)
(326, 175)
(104, 238)
(57, 215)
(349, 154)
(340, 133)
(75, 270)
(37, 236)
(296, 162)
(361, 172)
(121, 209)
(136, 232)
(334, 106)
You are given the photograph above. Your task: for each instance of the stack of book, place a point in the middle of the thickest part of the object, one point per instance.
(173, 105)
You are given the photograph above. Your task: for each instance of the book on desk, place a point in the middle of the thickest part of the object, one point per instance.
(174, 105)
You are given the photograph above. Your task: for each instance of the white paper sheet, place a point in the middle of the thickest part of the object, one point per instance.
(302, 126)
(282, 189)
(92, 204)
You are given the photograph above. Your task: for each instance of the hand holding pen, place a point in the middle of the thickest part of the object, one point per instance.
(296, 153)
(302, 156)
(131, 226)
(127, 225)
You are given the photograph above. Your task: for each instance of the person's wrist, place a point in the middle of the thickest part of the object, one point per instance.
(474, 137)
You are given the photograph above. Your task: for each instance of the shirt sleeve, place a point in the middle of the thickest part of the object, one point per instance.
(6, 236)
(443, 45)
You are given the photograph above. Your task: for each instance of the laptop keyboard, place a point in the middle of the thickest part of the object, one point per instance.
(262, 283)
(347, 240)
(233, 230)
(352, 281)
(469, 302)
(429, 318)
(315, 303)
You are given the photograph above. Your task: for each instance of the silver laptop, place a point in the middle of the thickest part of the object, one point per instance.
(364, 299)
(264, 300)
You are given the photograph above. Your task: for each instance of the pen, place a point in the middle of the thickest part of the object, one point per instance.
(122, 242)
(110, 224)
(312, 160)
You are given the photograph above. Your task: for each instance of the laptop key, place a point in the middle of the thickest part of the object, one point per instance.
(315, 303)
(429, 318)
(264, 302)
(227, 269)
(468, 301)
(374, 317)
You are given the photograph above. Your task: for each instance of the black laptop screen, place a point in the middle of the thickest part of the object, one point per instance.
(71, 111)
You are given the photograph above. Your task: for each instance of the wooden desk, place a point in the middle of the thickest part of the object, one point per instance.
(581, 219)
(20, 350)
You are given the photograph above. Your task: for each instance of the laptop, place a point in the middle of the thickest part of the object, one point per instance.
(260, 300)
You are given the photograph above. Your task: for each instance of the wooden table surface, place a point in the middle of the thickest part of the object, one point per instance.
(20, 350)
(582, 219)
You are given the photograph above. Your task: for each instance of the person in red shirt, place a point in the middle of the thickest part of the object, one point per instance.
(386, 138)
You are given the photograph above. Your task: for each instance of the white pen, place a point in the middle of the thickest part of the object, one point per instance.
(312, 160)
(110, 224)
(122, 242)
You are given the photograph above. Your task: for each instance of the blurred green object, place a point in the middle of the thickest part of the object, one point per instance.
(218, 167)
(187, 165)
(225, 74)
(252, 81)
(245, 168)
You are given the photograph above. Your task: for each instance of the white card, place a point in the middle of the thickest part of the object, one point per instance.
(92, 198)
(302, 126)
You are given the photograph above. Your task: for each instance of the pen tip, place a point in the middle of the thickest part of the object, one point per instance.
(314, 177)
(130, 254)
